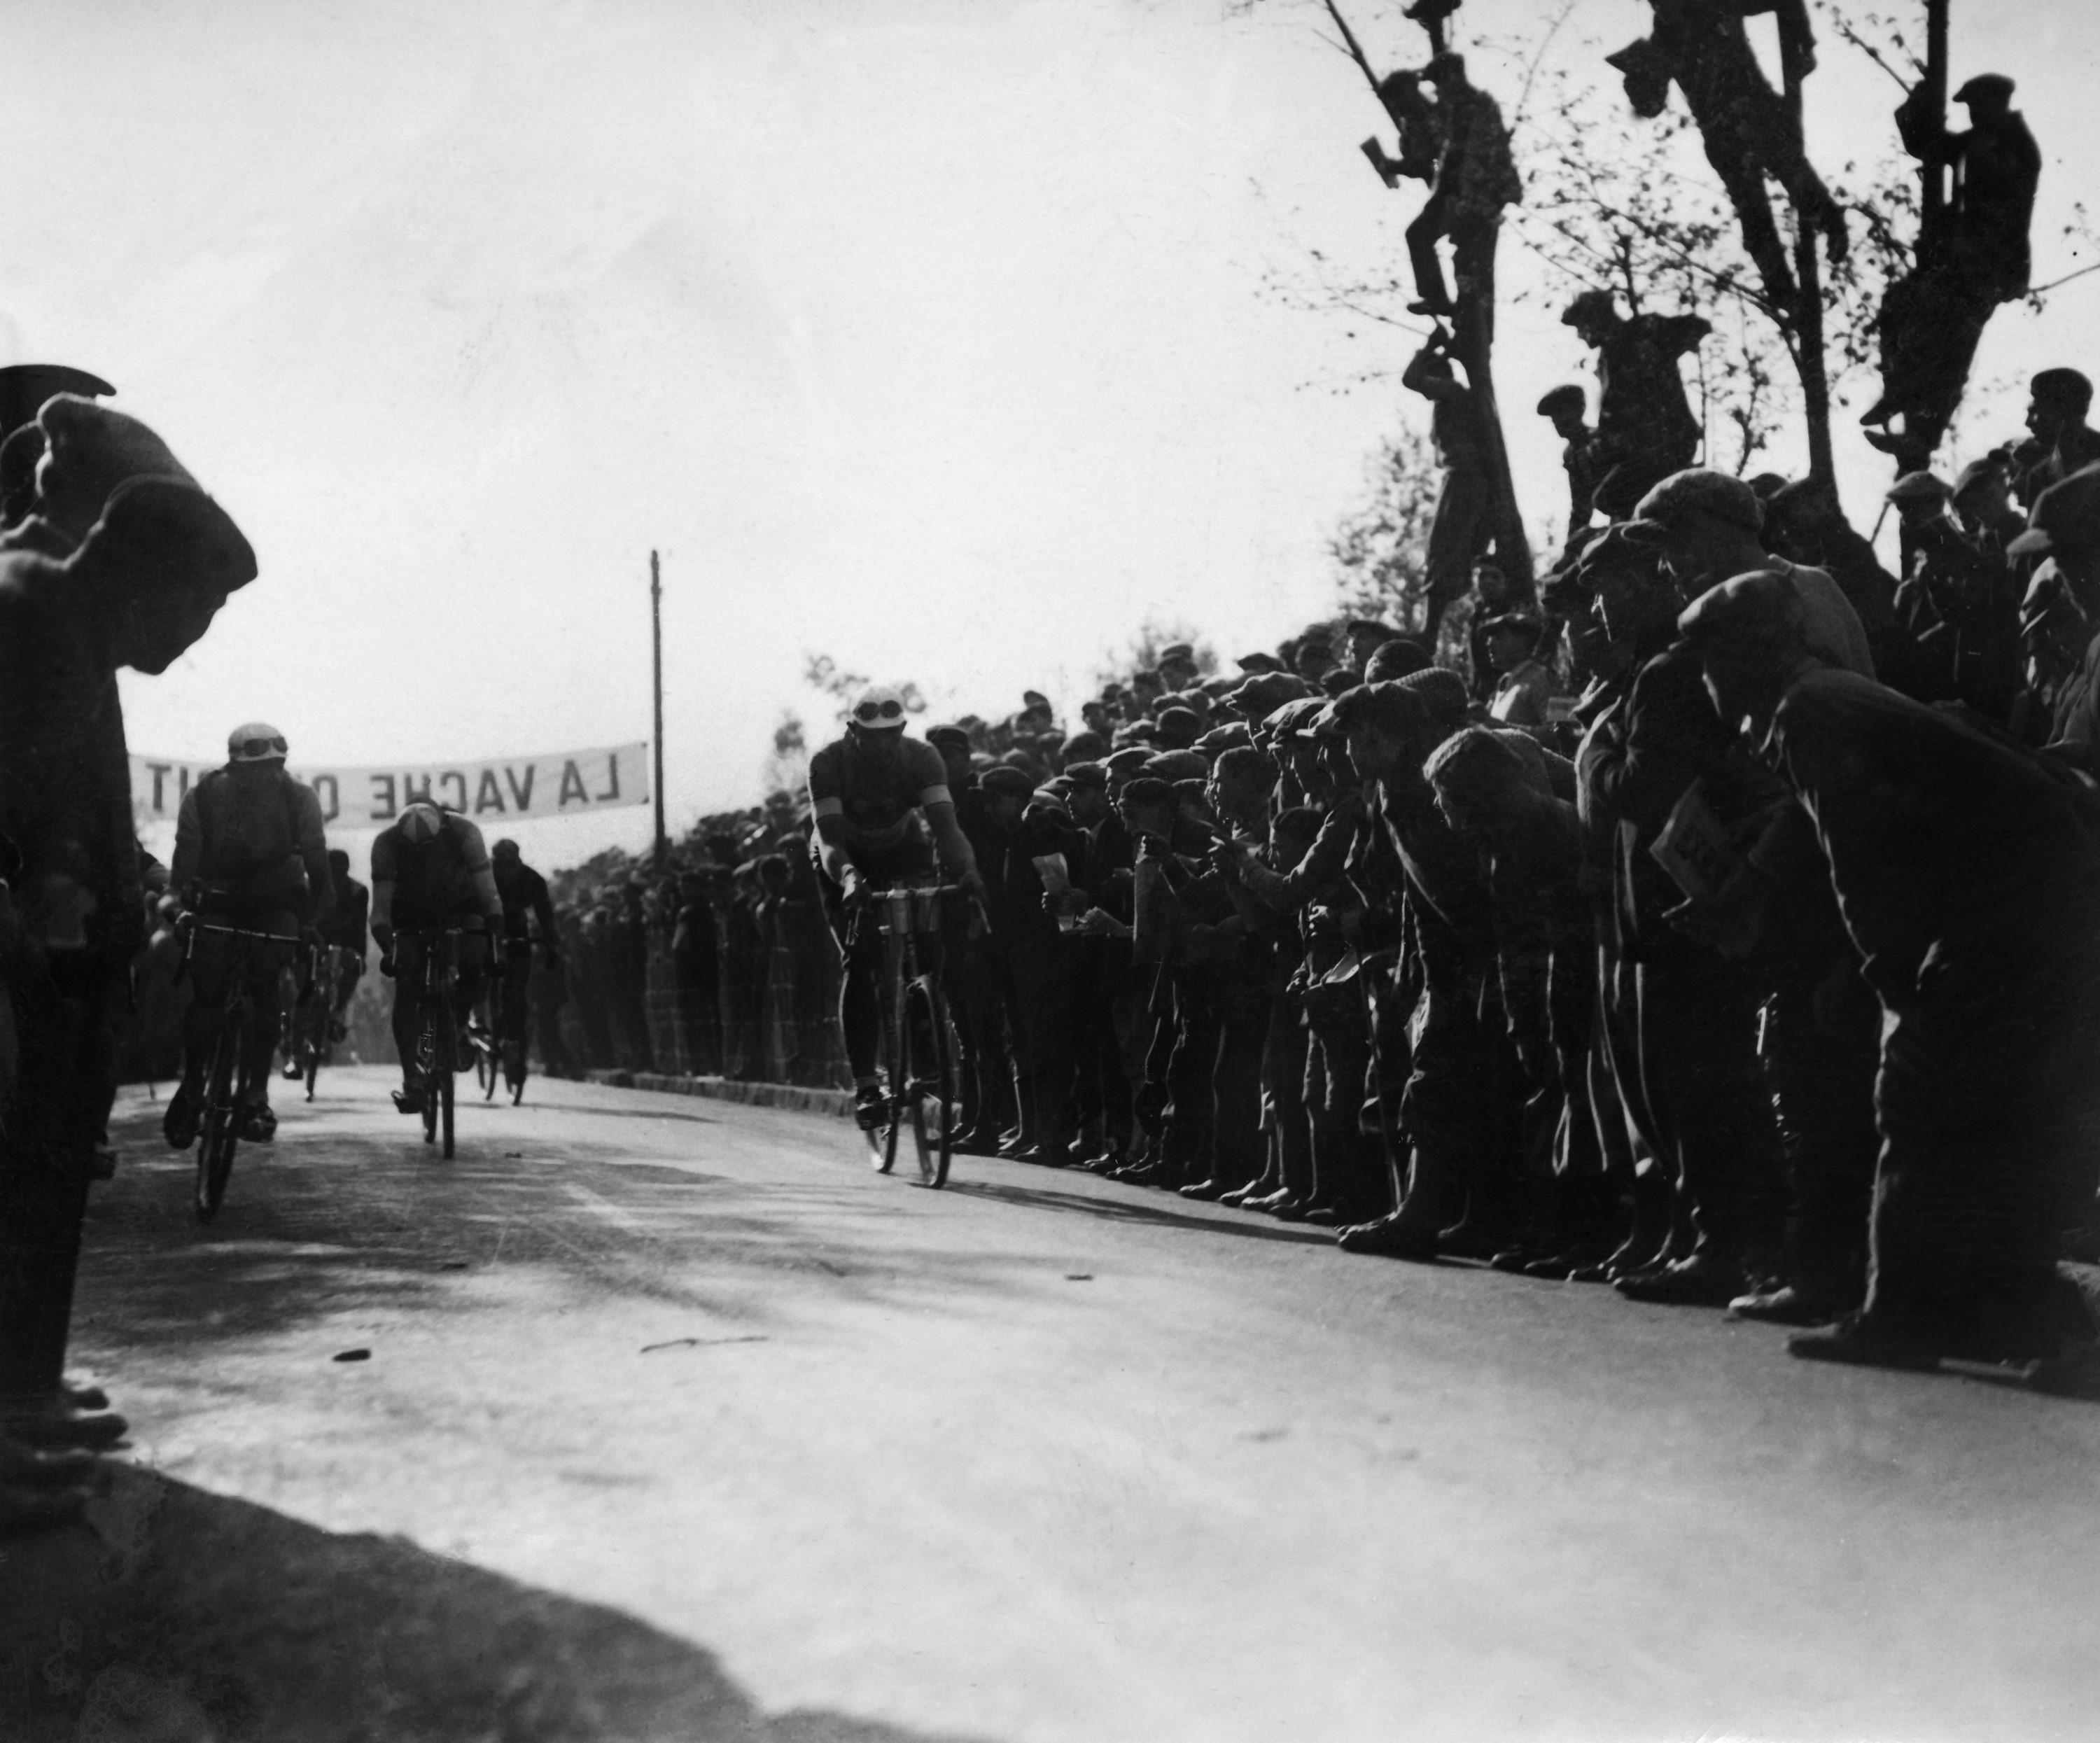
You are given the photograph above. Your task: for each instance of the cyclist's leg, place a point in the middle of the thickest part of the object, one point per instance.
(210, 967)
(472, 984)
(269, 968)
(349, 971)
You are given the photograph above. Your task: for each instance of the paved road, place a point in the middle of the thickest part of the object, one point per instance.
(1041, 1456)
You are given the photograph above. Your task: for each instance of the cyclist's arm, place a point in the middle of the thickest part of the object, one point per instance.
(831, 851)
(957, 859)
(382, 890)
(480, 874)
(543, 915)
(313, 853)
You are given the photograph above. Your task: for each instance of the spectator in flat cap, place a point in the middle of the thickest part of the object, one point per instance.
(1524, 684)
(1705, 524)
(1396, 659)
(1004, 780)
(1255, 665)
(1179, 727)
(2064, 443)
(1362, 638)
(2064, 527)
(1084, 746)
(1969, 882)
(1564, 406)
(1310, 659)
(1804, 524)
(1219, 739)
(1645, 428)
(1123, 767)
(1178, 765)
(1264, 694)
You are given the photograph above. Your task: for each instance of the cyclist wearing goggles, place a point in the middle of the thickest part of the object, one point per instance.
(249, 852)
(883, 809)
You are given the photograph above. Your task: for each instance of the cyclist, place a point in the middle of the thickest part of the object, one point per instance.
(346, 935)
(883, 807)
(431, 871)
(250, 852)
(525, 902)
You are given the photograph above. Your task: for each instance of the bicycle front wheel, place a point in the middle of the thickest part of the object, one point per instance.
(882, 1138)
(215, 1135)
(445, 1096)
(929, 1088)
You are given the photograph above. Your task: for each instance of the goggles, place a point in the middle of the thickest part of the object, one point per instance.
(258, 750)
(887, 712)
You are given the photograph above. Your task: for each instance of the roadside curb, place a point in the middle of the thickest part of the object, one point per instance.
(796, 1098)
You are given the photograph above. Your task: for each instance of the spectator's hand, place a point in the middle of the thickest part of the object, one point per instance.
(852, 891)
(972, 881)
(1098, 922)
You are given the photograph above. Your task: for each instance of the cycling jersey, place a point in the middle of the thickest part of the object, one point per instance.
(524, 893)
(253, 836)
(441, 882)
(353, 908)
(877, 791)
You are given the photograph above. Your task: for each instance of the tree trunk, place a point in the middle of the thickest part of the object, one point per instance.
(1808, 354)
(1473, 336)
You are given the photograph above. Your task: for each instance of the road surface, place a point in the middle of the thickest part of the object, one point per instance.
(676, 1420)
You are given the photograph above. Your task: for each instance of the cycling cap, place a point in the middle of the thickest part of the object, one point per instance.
(420, 822)
(878, 709)
(256, 742)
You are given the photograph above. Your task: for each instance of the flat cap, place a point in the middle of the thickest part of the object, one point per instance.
(1441, 689)
(1567, 397)
(1181, 653)
(1087, 774)
(1265, 693)
(1293, 717)
(1003, 781)
(947, 733)
(1589, 305)
(1127, 761)
(1084, 747)
(1219, 739)
(1396, 659)
(1258, 662)
(1991, 467)
(1918, 487)
(1179, 725)
(1179, 765)
(2060, 384)
(1985, 85)
(1391, 705)
(2066, 515)
(1696, 490)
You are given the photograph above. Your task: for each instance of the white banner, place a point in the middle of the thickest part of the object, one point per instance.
(516, 789)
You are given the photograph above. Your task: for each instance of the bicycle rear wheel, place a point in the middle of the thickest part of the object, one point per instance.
(215, 1135)
(426, 1053)
(930, 1088)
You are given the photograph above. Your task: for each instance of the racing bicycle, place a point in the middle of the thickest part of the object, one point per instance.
(226, 1078)
(437, 1040)
(918, 1055)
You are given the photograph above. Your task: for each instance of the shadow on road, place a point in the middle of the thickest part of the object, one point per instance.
(194, 1618)
(1130, 1211)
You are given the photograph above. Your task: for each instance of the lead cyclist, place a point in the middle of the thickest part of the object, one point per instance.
(883, 812)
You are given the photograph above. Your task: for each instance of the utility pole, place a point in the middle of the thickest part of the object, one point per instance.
(656, 747)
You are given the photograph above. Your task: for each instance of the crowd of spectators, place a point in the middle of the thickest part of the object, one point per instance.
(1718, 927)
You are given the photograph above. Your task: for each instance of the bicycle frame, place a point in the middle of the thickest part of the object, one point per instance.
(918, 1054)
(436, 1037)
(226, 1073)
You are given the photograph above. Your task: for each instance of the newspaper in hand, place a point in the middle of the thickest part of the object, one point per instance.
(1058, 881)
(1694, 847)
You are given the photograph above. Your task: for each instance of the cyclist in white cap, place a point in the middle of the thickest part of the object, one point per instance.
(250, 852)
(882, 807)
(431, 871)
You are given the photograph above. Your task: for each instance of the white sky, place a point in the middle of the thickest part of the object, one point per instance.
(928, 333)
